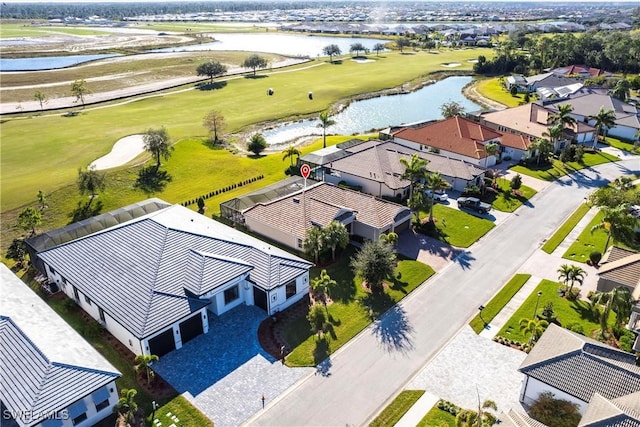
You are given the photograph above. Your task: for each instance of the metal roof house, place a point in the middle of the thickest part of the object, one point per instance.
(156, 281)
(49, 375)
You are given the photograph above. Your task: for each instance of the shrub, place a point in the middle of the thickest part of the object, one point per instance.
(555, 412)
(595, 257)
(472, 190)
(626, 342)
(576, 327)
(547, 312)
(516, 182)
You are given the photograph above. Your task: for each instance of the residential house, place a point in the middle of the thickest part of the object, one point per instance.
(627, 121)
(576, 368)
(558, 92)
(619, 267)
(156, 281)
(50, 375)
(542, 82)
(462, 139)
(287, 220)
(603, 412)
(581, 70)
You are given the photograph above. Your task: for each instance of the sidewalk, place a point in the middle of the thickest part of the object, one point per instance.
(418, 410)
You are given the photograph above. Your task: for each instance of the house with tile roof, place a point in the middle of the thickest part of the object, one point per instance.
(620, 412)
(156, 281)
(580, 70)
(462, 139)
(50, 376)
(619, 267)
(286, 220)
(575, 368)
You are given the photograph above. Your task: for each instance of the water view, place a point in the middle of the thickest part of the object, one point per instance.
(382, 112)
(48, 62)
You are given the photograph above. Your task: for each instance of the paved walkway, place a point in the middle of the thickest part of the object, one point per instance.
(418, 410)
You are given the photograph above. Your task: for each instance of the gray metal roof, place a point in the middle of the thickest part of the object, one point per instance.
(46, 365)
(581, 366)
(142, 272)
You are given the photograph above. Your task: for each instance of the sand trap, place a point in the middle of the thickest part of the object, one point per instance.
(473, 61)
(362, 60)
(123, 151)
(452, 64)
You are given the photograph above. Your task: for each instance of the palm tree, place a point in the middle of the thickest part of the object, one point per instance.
(479, 418)
(535, 327)
(618, 223)
(619, 300)
(554, 133)
(325, 122)
(291, 152)
(435, 182)
(563, 117)
(418, 201)
(621, 89)
(604, 119)
(322, 284)
(143, 362)
(313, 242)
(570, 273)
(543, 148)
(127, 405)
(415, 170)
(335, 234)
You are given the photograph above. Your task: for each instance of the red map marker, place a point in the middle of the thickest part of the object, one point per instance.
(305, 170)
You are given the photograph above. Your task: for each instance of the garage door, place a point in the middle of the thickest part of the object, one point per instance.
(163, 343)
(191, 328)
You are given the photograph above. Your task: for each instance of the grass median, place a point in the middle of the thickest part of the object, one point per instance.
(564, 230)
(396, 409)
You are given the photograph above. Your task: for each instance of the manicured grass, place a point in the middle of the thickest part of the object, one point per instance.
(492, 89)
(505, 201)
(396, 409)
(11, 30)
(564, 230)
(567, 312)
(436, 417)
(184, 410)
(458, 228)
(497, 303)
(555, 170)
(353, 308)
(587, 242)
(622, 145)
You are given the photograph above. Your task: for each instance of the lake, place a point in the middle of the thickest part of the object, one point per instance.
(48, 62)
(381, 112)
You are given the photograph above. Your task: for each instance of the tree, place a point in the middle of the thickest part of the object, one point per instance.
(402, 42)
(17, 251)
(619, 300)
(605, 119)
(254, 62)
(563, 117)
(325, 122)
(79, 89)
(418, 201)
(618, 223)
(516, 182)
(156, 142)
(317, 318)
(127, 405)
(322, 284)
(90, 182)
(42, 98)
(215, 123)
(435, 182)
(211, 69)
(555, 412)
(554, 133)
(535, 327)
(357, 48)
(451, 109)
(313, 243)
(335, 235)
(569, 274)
(479, 418)
(375, 262)
(42, 200)
(378, 47)
(621, 90)
(290, 152)
(331, 51)
(143, 362)
(257, 144)
(543, 148)
(415, 171)
(492, 149)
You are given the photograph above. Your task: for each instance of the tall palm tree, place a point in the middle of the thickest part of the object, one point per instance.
(605, 119)
(325, 122)
(492, 149)
(570, 274)
(322, 284)
(143, 363)
(618, 223)
(543, 147)
(291, 152)
(415, 170)
(554, 133)
(435, 182)
(335, 234)
(127, 406)
(313, 242)
(563, 116)
(535, 327)
(621, 89)
(619, 300)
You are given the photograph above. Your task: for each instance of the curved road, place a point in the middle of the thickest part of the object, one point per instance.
(371, 369)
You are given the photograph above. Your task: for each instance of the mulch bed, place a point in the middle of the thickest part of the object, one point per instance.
(271, 330)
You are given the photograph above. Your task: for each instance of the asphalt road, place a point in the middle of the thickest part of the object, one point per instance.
(361, 378)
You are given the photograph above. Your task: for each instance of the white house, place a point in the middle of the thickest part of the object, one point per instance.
(156, 281)
(49, 375)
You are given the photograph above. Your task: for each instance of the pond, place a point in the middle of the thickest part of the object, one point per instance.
(283, 44)
(381, 112)
(48, 62)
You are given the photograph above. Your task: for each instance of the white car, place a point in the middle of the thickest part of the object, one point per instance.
(438, 195)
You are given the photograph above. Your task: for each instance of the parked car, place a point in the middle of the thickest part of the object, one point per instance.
(474, 204)
(438, 195)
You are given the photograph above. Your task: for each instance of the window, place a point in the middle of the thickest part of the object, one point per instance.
(290, 289)
(52, 270)
(100, 406)
(299, 243)
(101, 311)
(231, 294)
(80, 418)
(87, 299)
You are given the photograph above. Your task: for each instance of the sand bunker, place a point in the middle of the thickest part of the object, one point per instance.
(361, 60)
(123, 151)
(451, 64)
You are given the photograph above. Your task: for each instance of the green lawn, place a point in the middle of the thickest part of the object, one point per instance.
(12, 30)
(353, 308)
(497, 303)
(436, 417)
(555, 170)
(505, 201)
(492, 89)
(458, 228)
(587, 242)
(396, 409)
(622, 145)
(567, 312)
(564, 230)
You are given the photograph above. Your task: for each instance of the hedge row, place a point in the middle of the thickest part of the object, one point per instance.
(223, 190)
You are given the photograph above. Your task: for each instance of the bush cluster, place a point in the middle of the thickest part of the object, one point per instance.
(449, 407)
(222, 190)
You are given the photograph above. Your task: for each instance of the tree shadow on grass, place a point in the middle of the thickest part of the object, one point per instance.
(399, 285)
(211, 86)
(85, 210)
(321, 350)
(151, 180)
(256, 77)
(336, 62)
(256, 156)
(584, 311)
(394, 331)
(377, 303)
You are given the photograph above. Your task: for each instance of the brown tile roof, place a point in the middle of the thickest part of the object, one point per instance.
(614, 253)
(529, 119)
(625, 271)
(513, 140)
(321, 204)
(456, 135)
